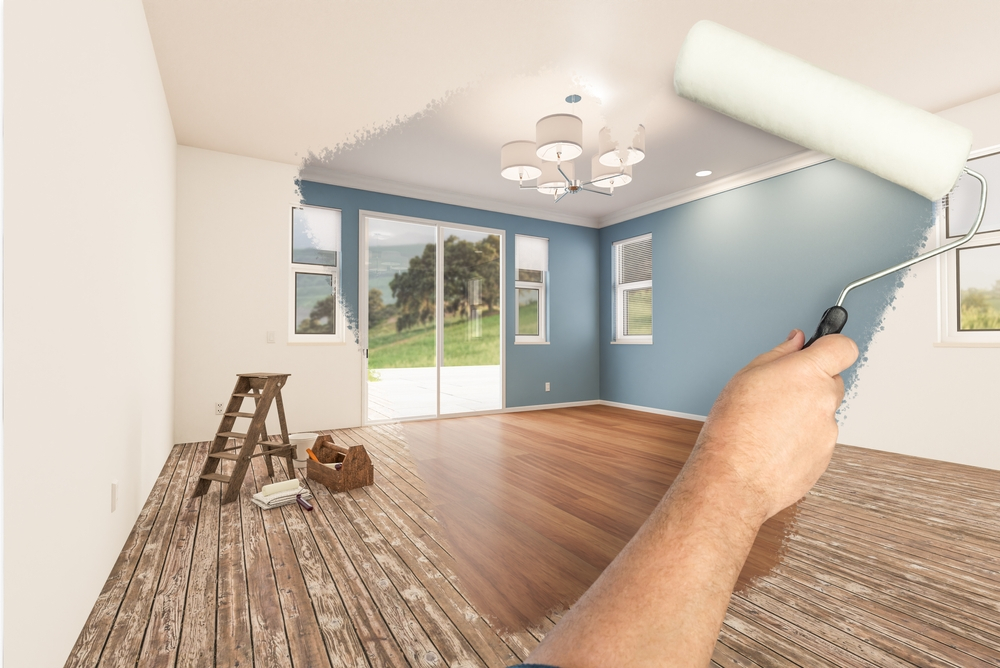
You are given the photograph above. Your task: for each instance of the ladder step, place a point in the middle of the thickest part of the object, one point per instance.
(216, 476)
(245, 394)
(249, 415)
(231, 434)
(224, 455)
(277, 452)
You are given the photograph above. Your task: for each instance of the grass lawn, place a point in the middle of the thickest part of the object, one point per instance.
(527, 319)
(980, 310)
(389, 349)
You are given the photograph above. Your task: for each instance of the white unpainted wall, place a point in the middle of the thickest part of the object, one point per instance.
(88, 306)
(233, 247)
(915, 397)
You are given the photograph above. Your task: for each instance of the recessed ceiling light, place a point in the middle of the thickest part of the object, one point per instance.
(573, 99)
(704, 172)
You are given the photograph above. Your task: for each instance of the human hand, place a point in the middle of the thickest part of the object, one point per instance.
(771, 432)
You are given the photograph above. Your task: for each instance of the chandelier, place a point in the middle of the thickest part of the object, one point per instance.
(558, 142)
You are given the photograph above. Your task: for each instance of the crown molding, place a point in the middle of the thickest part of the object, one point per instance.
(331, 177)
(746, 177)
(762, 172)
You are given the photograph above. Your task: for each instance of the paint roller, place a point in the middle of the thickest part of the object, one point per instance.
(776, 92)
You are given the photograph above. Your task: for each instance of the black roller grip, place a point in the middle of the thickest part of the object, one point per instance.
(832, 323)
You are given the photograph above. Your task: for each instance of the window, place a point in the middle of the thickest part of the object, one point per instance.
(633, 281)
(531, 260)
(314, 277)
(970, 274)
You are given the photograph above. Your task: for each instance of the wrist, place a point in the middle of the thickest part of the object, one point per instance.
(726, 489)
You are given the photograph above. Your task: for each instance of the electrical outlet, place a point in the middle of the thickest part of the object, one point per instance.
(219, 410)
(270, 336)
(547, 387)
(114, 495)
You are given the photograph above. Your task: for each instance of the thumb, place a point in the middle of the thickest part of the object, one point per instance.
(832, 353)
(794, 342)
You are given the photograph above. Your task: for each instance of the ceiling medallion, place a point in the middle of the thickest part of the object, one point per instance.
(549, 159)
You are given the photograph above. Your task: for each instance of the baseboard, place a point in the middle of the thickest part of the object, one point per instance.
(545, 407)
(657, 411)
(602, 402)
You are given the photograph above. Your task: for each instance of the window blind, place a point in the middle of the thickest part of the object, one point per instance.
(531, 253)
(315, 235)
(635, 261)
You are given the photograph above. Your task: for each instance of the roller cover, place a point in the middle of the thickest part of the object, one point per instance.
(276, 487)
(786, 96)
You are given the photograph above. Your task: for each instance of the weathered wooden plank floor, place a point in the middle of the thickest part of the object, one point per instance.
(890, 561)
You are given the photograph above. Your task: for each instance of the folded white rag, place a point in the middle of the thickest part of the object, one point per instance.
(281, 498)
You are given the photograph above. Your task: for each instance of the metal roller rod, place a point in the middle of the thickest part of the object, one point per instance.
(929, 254)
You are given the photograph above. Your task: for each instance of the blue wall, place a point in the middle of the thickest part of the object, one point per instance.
(570, 361)
(735, 272)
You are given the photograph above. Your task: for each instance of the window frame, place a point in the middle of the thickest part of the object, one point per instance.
(619, 289)
(294, 268)
(542, 286)
(949, 299)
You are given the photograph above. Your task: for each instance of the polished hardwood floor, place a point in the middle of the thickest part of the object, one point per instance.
(478, 532)
(536, 509)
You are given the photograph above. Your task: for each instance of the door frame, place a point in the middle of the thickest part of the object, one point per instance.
(439, 225)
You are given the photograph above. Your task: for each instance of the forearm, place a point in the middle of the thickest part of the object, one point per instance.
(766, 441)
(661, 602)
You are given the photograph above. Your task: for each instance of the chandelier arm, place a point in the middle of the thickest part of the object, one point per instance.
(524, 187)
(565, 192)
(599, 192)
(569, 181)
(604, 178)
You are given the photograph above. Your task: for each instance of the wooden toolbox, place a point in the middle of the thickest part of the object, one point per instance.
(356, 468)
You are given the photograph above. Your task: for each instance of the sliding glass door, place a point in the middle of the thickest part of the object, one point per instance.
(432, 320)
(471, 380)
(402, 320)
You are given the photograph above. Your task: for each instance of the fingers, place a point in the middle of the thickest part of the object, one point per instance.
(796, 339)
(832, 353)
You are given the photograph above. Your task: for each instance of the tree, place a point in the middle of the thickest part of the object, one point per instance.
(378, 312)
(413, 290)
(320, 320)
(465, 263)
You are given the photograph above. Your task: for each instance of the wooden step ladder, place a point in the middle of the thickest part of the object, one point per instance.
(263, 388)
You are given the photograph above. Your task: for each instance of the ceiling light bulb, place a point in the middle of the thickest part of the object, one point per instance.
(559, 137)
(551, 182)
(704, 172)
(518, 161)
(604, 176)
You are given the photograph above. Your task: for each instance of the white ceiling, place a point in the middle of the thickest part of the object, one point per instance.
(417, 97)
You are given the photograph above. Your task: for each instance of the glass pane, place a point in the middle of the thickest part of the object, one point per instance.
(470, 373)
(527, 312)
(979, 288)
(315, 235)
(529, 275)
(963, 204)
(314, 304)
(638, 312)
(402, 335)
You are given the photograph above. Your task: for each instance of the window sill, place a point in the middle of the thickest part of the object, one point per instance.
(637, 342)
(317, 343)
(530, 343)
(967, 344)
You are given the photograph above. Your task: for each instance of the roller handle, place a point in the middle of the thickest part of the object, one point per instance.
(832, 323)
(302, 502)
